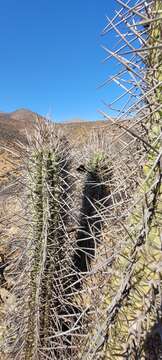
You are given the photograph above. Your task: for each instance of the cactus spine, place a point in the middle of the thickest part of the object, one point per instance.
(91, 221)
(48, 315)
(131, 305)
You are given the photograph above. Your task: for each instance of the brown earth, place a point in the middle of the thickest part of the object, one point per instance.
(14, 127)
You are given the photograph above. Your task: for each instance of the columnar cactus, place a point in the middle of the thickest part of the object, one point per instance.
(46, 311)
(125, 312)
(91, 221)
(131, 305)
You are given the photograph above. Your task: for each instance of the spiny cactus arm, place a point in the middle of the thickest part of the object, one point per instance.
(134, 285)
(44, 324)
(35, 254)
(94, 192)
(55, 255)
(134, 289)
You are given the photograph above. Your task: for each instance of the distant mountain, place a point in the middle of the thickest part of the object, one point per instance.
(13, 125)
(78, 120)
(23, 114)
(13, 128)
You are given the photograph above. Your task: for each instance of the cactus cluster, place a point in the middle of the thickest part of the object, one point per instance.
(87, 281)
(57, 248)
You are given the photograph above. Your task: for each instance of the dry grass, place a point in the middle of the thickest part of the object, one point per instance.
(8, 230)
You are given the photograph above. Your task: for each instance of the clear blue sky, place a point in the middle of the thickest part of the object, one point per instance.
(51, 56)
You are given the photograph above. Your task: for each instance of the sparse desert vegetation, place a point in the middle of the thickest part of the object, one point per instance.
(80, 219)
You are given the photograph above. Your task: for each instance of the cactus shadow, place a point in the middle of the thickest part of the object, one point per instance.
(153, 342)
(91, 221)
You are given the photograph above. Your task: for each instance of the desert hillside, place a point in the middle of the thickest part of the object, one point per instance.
(14, 127)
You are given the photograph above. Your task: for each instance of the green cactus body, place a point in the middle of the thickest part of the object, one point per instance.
(46, 197)
(46, 311)
(35, 253)
(90, 237)
(139, 304)
(132, 303)
(90, 222)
